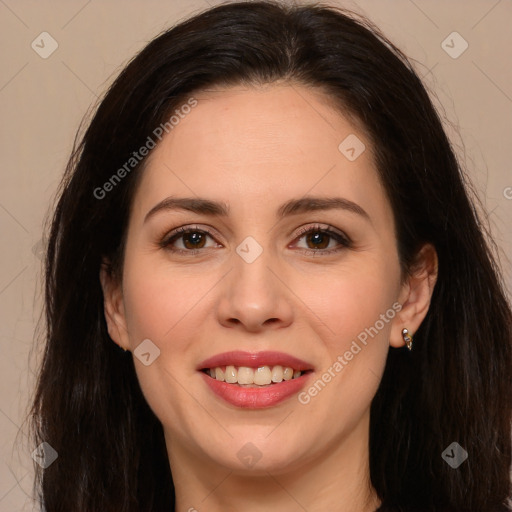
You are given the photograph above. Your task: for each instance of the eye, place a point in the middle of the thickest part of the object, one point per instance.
(318, 240)
(187, 240)
(322, 240)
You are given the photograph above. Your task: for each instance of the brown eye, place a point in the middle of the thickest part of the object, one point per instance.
(318, 240)
(193, 240)
(187, 240)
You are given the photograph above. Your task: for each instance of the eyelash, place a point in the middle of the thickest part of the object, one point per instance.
(167, 241)
(342, 239)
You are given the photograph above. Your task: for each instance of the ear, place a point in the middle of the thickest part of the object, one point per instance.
(415, 295)
(114, 306)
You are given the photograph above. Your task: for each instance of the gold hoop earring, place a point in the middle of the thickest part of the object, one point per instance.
(407, 338)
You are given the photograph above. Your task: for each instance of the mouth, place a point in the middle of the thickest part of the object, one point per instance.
(255, 380)
(262, 376)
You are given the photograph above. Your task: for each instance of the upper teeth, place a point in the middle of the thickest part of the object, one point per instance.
(260, 376)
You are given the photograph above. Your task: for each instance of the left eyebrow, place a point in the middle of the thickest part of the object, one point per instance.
(293, 207)
(312, 203)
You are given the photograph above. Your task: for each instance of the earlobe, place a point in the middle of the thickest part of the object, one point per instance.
(114, 306)
(415, 296)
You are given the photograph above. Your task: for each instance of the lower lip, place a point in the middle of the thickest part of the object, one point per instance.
(256, 398)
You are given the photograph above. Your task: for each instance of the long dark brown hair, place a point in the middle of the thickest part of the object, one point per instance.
(453, 387)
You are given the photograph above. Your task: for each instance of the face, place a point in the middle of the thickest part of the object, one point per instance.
(261, 250)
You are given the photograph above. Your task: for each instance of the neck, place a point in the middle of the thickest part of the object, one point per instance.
(337, 479)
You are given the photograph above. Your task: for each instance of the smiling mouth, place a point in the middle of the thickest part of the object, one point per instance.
(248, 377)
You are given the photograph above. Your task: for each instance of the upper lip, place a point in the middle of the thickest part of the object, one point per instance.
(255, 360)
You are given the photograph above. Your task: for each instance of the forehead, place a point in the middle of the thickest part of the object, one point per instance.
(249, 145)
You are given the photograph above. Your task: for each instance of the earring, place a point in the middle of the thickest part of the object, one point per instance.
(407, 338)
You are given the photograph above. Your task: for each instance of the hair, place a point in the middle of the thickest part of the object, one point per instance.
(453, 386)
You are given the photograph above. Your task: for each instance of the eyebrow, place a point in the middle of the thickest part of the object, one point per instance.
(292, 207)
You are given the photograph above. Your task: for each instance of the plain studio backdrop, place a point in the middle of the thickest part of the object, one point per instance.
(59, 56)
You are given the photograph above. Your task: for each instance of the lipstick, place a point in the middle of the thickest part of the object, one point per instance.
(255, 397)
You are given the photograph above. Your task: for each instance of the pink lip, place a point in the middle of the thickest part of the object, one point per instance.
(255, 398)
(254, 360)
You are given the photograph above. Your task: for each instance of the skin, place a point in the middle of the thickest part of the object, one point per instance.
(254, 149)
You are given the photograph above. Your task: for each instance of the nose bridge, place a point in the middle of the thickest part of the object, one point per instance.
(253, 278)
(253, 296)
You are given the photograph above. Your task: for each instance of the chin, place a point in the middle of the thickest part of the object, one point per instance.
(256, 452)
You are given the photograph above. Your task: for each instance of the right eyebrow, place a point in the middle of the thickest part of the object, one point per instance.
(192, 204)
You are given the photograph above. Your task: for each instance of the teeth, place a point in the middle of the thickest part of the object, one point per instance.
(219, 374)
(245, 375)
(261, 376)
(231, 374)
(277, 373)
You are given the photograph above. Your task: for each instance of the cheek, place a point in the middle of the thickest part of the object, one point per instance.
(158, 301)
(352, 299)
(168, 309)
(355, 305)
(356, 310)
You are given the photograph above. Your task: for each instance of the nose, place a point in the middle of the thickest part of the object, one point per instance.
(254, 296)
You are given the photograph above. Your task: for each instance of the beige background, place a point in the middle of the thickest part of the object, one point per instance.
(43, 100)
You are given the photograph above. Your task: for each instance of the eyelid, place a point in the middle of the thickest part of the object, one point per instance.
(175, 233)
(321, 227)
(341, 238)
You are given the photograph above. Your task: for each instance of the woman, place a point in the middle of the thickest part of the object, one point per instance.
(267, 286)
